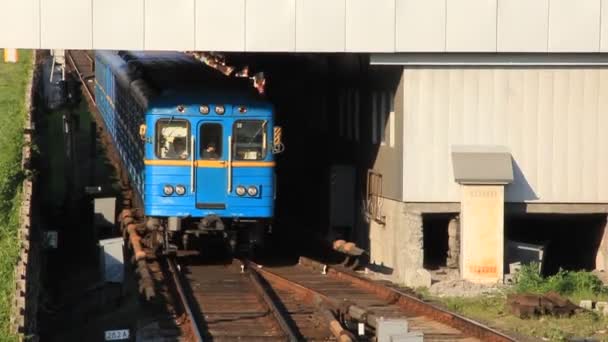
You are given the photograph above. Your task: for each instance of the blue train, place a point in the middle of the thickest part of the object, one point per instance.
(197, 145)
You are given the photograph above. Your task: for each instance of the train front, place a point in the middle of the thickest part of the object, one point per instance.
(210, 172)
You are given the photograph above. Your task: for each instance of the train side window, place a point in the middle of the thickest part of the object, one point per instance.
(172, 139)
(250, 139)
(211, 141)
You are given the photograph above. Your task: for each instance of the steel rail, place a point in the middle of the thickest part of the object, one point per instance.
(184, 301)
(315, 298)
(82, 80)
(256, 280)
(410, 303)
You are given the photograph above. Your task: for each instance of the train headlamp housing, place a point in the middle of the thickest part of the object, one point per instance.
(204, 109)
(220, 110)
(252, 191)
(180, 190)
(168, 190)
(240, 190)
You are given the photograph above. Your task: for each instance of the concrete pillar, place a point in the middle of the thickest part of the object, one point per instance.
(453, 243)
(11, 56)
(601, 258)
(482, 233)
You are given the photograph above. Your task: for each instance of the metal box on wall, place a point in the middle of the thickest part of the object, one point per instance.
(342, 196)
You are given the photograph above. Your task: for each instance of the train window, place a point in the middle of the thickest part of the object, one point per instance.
(249, 139)
(172, 140)
(211, 141)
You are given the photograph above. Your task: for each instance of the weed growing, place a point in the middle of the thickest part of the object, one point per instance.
(13, 82)
(575, 285)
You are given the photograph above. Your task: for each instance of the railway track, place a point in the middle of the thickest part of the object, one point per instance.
(241, 300)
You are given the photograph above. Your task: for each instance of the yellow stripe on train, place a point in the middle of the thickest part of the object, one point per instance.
(208, 163)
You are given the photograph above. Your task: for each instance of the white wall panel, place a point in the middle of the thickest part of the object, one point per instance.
(420, 25)
(574, 25)
(370, 26)
(118, 24)
(522, 25)
(320, 25)
(604, 27)
(169, 25)
(66, 24)
(551, 119)
(271, 25)
(471, 25)
(20, 24)
(220, 25)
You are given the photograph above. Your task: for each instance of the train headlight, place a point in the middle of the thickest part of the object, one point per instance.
(220, 110)
(204, 109)
(252, 191)
(168, 190)
(180, 190)
(240, 190)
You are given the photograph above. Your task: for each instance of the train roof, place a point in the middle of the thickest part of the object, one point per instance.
(168, 78)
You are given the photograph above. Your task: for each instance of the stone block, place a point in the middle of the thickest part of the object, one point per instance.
(599, 306)
(586, 304)
(419, 278)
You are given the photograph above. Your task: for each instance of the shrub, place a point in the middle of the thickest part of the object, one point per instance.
(568, 283)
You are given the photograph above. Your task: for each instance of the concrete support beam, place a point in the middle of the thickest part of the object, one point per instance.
(482, 229)
(601, 258)
(514, 208)
(453, 259)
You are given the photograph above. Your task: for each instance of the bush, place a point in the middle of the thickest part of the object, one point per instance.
(567, 283)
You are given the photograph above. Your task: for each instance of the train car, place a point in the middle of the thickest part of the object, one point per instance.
(197, 146)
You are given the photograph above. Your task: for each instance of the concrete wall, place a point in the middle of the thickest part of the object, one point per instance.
(551, 118)
(387, 129)
(298, 25)
(396, 248)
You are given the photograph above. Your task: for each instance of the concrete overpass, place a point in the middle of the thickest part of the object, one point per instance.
(383, 26)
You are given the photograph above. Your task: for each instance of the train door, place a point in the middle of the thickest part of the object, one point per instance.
(211, 172)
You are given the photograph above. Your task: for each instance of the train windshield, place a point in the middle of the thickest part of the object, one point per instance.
(172, 139)
(250, 139)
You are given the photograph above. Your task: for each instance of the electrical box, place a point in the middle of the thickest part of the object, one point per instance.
(342, 196)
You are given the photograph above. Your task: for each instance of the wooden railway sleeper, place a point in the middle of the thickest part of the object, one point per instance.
(261, 290)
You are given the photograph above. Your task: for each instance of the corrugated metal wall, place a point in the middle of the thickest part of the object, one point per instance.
(308, 25)
(555, 121)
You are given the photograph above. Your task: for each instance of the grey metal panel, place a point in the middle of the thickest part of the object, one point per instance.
(270, 25)
(420, 25)
(550, 118)
(522, 25)
(471, 25)
(169, 25)
(20, 24)
(370, 26)
(485, 59)
(220, 25)
(59, 18)
(118, 24)
(574, 25)
(320, 25)
(482, 164)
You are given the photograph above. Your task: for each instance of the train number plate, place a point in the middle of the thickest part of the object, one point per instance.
(117, 335)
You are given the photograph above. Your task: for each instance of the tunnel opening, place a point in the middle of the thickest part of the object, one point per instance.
(569, 241)
(435, 242)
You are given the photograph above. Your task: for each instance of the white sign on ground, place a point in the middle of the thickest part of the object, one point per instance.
(116, 335)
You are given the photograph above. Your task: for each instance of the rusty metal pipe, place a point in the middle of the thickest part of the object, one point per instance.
(335, 327)
(135, 240)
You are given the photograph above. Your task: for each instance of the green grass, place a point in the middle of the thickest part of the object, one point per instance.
(491, 309)
(13, 81)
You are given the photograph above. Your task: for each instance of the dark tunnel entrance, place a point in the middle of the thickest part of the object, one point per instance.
(435, 240)
(570, 242)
